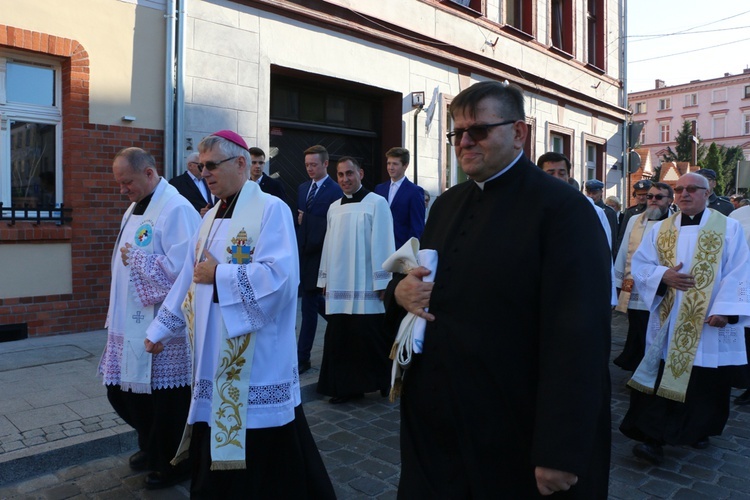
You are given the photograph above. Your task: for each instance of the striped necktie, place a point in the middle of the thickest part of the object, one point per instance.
(310, 196)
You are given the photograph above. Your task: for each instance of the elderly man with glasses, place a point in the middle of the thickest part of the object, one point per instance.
(658, 199)
(510, 394)
(236, 296)
(192, 186)
(692, 271)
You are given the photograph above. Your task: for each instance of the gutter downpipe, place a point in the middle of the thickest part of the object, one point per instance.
(416, 150)
(179, 107)
(169, 16)
(625, 131)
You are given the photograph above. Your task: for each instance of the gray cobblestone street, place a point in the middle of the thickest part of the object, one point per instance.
(358, 442)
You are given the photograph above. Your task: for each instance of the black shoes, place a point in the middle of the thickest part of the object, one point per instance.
(303, 367)
(337, 400)
(139, 460)
(650, 452)
(701, 444)
(157, 480)
(743, 399)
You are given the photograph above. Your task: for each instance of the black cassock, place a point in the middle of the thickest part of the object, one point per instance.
(514, 372)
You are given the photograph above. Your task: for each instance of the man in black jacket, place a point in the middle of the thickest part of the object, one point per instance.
(191, 185)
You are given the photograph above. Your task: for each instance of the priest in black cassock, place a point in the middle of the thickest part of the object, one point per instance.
(510, 395)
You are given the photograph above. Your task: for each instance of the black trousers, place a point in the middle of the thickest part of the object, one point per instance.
(158, 418)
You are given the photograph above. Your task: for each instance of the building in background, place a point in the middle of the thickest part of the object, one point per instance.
(357, 76)
(720, 108)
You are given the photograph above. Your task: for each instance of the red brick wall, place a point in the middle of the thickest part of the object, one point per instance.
(88, 188)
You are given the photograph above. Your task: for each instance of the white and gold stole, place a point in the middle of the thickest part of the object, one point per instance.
(691, 313)
(231, 383)
(636, 235)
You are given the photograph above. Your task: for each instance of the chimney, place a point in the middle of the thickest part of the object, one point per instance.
(746, 70)
(660, 84)
(727, 74)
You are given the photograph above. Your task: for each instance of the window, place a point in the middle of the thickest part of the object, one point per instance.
(719, 95)
(642, 136)
(691, 100)
(595, 32)
(590, 161)
(453, 173)
(719, 125)
(519, 14)
(30, 133)
(664, 132)
(561, 25)
(594, 156)
(640, 107)
(747, 91)
(746, 124)
(471, 4)
(665, 103)
(560, 141)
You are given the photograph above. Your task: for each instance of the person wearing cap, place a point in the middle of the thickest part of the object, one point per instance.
(150, 393)
(313, 199)
(236, 296)
(714, 201)
(660, 198)
(692, 270)
(594, 189)
(640, 192)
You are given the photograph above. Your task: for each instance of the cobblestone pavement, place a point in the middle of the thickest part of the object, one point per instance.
(359, 444)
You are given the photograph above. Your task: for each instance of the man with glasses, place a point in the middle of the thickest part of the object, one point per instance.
(191, 185)
(659, 199)
(692, 271)
(510, 393)
(640, 190)
(267, 183)
(236, 296)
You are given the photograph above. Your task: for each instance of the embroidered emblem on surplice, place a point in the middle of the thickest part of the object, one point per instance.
(241, 250)
(143, 234)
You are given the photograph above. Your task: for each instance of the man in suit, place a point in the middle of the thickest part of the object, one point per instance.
(313, 199)
(405, 198)
(191, 185)
(267, 184)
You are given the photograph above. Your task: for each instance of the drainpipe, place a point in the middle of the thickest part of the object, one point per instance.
(169, 16)
(625, 131)
(416, 150)
(180, 143)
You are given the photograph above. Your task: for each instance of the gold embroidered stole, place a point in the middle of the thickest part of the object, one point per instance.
(692, 309)
(231, 383)
(636, 235)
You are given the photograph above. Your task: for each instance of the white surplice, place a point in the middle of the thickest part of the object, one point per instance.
(359, 239)
(152, 275)
(635, 299)
(259, 297)
(730, 295)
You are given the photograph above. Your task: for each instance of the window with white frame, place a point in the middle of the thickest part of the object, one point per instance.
(664, 132)
(640, 107)
(590, 161)
(747, 91)
(719, 125)
(691, 100)
(746, 124)
(30, 132)
(642, 135)
(665, 103)
(719, 95)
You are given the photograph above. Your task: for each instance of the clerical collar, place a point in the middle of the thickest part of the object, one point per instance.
(482, 183)
(226, 207)
(695, 220)
(141, 206)
(356, 197)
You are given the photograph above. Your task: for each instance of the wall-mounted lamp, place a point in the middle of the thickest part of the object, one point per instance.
(128, 119)
(417, 99)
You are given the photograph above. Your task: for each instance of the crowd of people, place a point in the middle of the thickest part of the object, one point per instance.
(507, 394)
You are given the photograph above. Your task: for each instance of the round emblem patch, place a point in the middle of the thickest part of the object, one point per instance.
(143, 235)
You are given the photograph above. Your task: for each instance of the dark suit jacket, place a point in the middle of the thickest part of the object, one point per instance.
(312, 231)
(272, 186)
(407, 209)
(187, 188)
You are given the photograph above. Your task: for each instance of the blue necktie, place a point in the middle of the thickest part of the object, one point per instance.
(310, 197)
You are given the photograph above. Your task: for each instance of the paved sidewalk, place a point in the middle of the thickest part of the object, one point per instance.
(60, 439)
